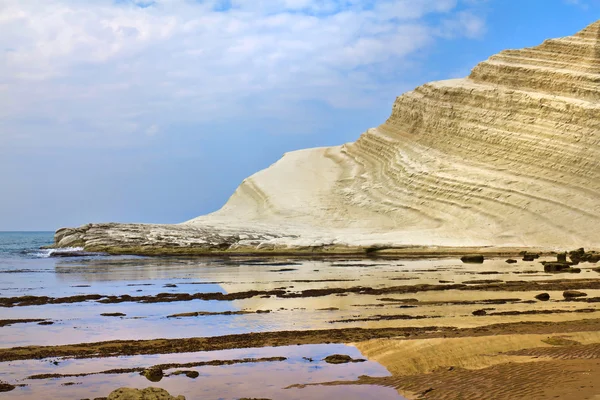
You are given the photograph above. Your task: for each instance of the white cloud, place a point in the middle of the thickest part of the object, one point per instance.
(102, 71)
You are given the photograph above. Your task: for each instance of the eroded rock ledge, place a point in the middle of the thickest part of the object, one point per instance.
(155, 239)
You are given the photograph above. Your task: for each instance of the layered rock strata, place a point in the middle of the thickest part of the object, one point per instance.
(508, 157)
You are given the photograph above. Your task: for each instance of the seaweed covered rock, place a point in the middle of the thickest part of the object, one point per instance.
(153, 374)
(150, 393)
(341, 359)
(6, 387)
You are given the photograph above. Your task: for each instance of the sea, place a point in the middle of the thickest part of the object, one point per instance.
(53, 276)
(25, 245)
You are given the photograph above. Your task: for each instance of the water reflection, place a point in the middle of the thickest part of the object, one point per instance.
(252, 380)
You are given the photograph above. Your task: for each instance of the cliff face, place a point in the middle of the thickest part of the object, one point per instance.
(506, 157)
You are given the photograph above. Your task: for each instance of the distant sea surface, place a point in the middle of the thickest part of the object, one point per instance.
(25, 244)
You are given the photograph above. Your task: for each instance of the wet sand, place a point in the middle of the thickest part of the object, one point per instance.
(429, 328)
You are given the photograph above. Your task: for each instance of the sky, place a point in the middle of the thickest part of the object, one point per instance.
(156, 110)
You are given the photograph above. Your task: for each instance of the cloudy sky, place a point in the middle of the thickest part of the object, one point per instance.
(155, 110)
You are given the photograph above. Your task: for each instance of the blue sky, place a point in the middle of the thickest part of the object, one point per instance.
(154, 111)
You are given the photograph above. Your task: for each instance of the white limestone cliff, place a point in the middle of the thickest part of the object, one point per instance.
(508, 157)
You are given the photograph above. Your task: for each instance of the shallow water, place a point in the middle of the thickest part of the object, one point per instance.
(260, 379)
(26, 271)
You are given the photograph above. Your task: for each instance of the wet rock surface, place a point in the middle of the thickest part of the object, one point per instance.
(341, 359)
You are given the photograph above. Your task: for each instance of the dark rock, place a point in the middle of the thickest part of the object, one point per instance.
(192, 374)
(543, 297)
(116, 314)
(6, 387)
(170, 285)
(511, 261)
(558, 267)
(189, 374)
(593, 258)
(530, 256)
(479, 313)
(472, 259)
(341, 359)
(561, 257)
(46, 323)
(569, 294)
(153, 374)
(577, 255)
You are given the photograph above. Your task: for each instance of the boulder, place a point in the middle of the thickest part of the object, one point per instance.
(479, 313)
(472, 259)
(511, 261)
(561, 257)
(150, 393)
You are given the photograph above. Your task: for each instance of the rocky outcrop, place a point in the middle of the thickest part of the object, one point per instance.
(507, 157)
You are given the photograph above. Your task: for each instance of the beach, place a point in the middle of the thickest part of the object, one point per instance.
(263, 327)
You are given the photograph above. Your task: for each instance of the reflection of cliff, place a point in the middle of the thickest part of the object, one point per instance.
(509, 156)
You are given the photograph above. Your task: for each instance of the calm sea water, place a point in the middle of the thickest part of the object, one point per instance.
(27, 270)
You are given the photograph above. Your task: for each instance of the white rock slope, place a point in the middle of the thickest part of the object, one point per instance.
(507, 157)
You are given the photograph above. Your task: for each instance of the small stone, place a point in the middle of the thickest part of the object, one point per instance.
(511, 261)
(543, 297)
(479, 313)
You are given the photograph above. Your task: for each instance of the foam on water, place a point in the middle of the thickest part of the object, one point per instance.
(45, 253)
